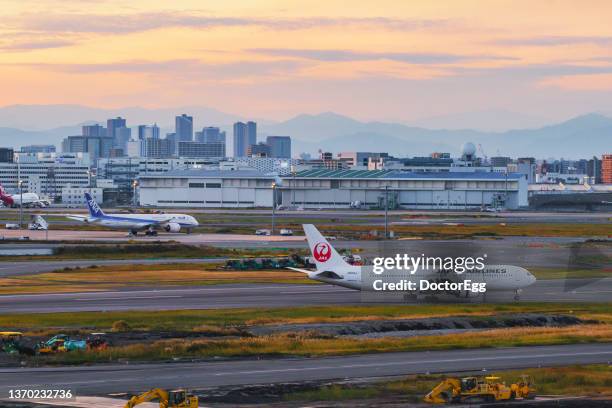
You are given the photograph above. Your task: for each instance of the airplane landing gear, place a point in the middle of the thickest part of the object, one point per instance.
(132, 233)
(517, 295)
(151, 232)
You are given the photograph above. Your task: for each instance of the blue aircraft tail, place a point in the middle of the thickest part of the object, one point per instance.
(94, 208)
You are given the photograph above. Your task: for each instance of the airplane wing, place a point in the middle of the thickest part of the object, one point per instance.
(300, 270)
(79, 217)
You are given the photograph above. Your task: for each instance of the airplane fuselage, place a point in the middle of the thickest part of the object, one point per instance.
(496, 277)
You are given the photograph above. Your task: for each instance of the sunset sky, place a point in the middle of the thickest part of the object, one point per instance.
(379, 59)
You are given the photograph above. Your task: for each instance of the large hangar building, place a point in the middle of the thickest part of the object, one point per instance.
(334, 189)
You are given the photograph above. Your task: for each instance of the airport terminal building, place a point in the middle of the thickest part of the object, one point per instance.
(324, 188)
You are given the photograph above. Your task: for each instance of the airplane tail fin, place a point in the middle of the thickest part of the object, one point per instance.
(323, 254)
(94, 208)
(5, 198)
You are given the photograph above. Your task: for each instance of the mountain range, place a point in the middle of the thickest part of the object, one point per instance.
(579, 137)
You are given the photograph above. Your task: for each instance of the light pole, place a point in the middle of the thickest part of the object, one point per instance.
(386, 211)
(20, 183)
(134, 185)
(293, 186)
(89, 180)
(273, 206)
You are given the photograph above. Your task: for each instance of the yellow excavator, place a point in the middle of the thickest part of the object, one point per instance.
(478, 389)
(167, 399)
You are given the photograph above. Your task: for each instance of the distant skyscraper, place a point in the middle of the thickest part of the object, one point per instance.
(280, 146)
(6, 155)
(606, 168)
(122, 137)
(252, 133)
(145, 131)
(93, 131)
(184, 128)
(245, 135)
(156, 147)
(259, 150)
(112, 126)
(210, 134)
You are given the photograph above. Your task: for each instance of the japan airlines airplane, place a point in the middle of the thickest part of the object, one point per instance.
(16, 200)
(333, 269)
(135, 222)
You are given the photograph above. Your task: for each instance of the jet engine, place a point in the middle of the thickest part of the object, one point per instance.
(172, 227)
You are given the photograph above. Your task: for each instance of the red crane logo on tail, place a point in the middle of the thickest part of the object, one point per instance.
(322, 252)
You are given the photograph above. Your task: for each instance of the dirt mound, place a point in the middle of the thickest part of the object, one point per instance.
(440, 324)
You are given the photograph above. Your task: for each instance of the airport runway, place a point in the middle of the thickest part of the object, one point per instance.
(104, 379)
(271, 295)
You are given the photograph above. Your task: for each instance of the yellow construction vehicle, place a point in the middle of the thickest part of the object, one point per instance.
(167, 399)
(524, 388)
(478, 389)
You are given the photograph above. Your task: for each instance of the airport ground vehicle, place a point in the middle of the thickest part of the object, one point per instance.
(286, 232)
(62, 342)
(265, 232)
(38, 223)
(167, 399)
(12, 226)
(479, 389)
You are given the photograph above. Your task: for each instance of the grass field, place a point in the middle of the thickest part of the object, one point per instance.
(312, 344)
(585, 380)
(186, 320)
(122, 276)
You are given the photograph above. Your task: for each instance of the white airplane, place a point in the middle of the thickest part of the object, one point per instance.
(27, 199)
(333, 269)
(135, 222)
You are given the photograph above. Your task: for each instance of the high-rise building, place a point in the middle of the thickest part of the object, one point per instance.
(240, 140)
(96, 146)
(112, 126)
(6, 155)
(606, 168)
(280, 146)
(259, 150)
(93, 131)
(210, 134)
(500, 161)
(594, 170)
(245, 135)
(199, 149)
(252, 132)
(156, 147)
(145, 131)
(184, 128)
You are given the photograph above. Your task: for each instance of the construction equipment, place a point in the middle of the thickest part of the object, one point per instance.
(479, 389)
(167, 399)
(61, 342)
(524, 388)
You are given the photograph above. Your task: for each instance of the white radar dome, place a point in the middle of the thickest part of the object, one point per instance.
(468, 149)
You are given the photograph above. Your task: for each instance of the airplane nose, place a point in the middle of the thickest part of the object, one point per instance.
(531, 278)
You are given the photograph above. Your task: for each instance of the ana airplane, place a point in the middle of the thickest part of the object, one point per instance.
(27, 199)
(135, 222)
(333, 269)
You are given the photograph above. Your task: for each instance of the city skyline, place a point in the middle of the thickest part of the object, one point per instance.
(399, 61)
